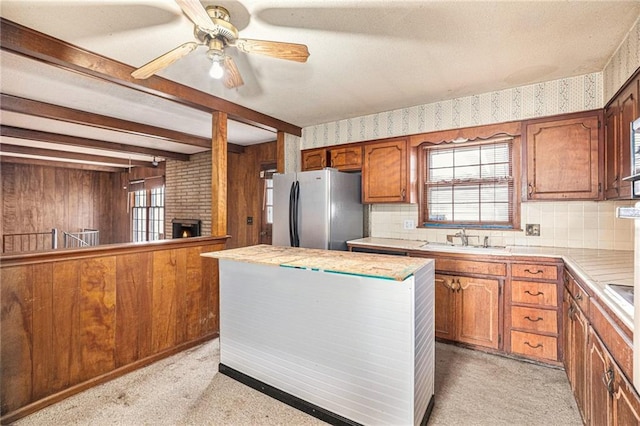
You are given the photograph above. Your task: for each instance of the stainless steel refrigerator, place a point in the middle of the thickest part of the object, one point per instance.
(317, 209)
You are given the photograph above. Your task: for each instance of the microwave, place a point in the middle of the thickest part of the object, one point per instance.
(635, 159)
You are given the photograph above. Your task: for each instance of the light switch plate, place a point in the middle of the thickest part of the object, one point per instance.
(409, 224)
(532, 229)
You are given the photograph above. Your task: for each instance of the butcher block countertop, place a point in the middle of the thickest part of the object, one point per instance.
(364, 264)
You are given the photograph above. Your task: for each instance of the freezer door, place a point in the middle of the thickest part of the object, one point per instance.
(346, 222)
(314, 209)
(281, 192)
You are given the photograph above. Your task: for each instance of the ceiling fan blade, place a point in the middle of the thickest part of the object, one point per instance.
(276, 49)
(232, 76)
(161, 62)
(196, 13)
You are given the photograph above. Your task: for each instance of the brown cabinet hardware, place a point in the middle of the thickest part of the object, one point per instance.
(572, 312)
(538, 271)
(607, 379)
(530, 190)
(539, 293)
(579, 296)
(533, 320)
(539, 345)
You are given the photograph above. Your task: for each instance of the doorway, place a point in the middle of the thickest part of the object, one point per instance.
(266, 217)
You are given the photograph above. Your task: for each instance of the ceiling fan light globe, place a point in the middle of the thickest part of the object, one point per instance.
(216, 71)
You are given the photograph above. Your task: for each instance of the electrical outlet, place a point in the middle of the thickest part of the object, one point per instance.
(533, 230)
(409, 224)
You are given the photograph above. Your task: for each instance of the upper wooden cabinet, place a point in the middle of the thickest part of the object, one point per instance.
(619, 115)
(563, 157)
(346, 159)
(612, 153)
(314, 159)
(388, 172)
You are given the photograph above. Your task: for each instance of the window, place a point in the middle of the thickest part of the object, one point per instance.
(147, 214)
(470, 184)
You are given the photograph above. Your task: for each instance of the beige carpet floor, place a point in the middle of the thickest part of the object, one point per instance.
(472, 388)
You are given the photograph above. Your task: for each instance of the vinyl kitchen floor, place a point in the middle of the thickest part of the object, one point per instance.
(472, 388)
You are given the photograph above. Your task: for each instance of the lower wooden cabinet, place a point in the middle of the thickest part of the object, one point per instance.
(576, 351)
(603, 393)
(599, 382)
(613, 400)
(533, 305)
(467, 310)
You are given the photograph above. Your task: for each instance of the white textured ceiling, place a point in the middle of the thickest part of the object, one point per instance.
(367, 56)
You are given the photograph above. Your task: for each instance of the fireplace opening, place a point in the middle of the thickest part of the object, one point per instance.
(185, 228)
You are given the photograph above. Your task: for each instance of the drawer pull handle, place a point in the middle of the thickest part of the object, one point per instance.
(579, 296)
(538, 271)
(539, 345)
(539, 293)
(533, 320)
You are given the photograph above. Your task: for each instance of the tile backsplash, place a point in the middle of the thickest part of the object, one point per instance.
(578, 224)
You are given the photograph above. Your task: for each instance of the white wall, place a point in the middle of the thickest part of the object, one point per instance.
(563, 224)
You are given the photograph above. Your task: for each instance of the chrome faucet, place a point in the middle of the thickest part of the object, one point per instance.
(463, 237)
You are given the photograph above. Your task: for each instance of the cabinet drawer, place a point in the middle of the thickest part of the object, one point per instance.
(469, 266)
(540, 272)
(540, 320)
(579, 295)
(544, 294)
(534, 345)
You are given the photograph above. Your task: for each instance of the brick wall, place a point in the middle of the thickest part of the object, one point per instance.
(188, 191)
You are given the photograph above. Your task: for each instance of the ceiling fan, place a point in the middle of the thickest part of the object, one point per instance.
(213, 29)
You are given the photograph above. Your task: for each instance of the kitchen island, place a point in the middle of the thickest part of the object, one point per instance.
(346, 337)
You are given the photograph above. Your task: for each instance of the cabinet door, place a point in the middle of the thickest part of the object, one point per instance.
(628, 105)
(626, 404)
(579, 335)
(445, 319)
(567, 311)
(384, 172)
(314, 159)
(563, 158)
(600, 382)
(612, 152)
(477, 311)
(346, 159)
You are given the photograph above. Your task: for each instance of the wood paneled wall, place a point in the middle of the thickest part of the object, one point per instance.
(245, 192)
(73, 319)
(37, 198)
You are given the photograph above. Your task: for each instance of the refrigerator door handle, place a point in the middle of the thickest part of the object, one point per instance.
(291, 221)
(296, 203)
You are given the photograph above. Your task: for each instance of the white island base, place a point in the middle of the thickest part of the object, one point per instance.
(348, 349)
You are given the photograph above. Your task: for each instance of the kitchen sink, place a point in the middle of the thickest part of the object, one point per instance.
(465, 249)
(623, 294)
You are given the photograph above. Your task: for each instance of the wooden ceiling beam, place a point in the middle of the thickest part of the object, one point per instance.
(7, 149)
(60, 164)
(42, 47)
(70, 115)
(37, 135)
